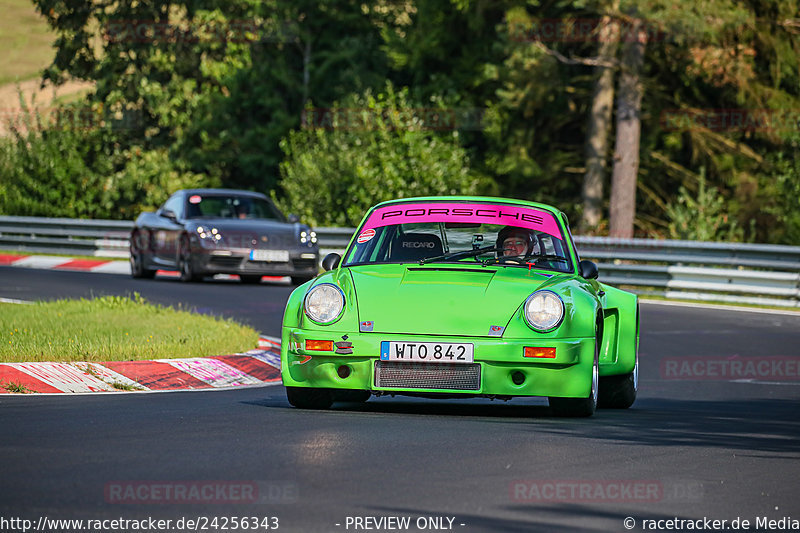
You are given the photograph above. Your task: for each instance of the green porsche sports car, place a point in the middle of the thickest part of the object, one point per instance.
(456, 297)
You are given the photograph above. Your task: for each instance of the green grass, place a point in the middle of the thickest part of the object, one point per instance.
(25, 40)
(13, 386)
(114, 328)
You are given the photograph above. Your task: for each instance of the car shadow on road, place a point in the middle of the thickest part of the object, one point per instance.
(767, 425)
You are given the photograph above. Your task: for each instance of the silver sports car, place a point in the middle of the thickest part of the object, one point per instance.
(201, 232)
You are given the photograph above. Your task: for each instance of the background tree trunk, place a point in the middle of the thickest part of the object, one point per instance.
(598, 128)
(626, 157)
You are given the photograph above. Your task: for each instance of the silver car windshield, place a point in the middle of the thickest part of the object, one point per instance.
(230, 206)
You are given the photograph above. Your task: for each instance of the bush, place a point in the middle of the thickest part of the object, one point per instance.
(64, 168)
(702, 216)
(371, 149)
(147, 180)
(786, 180)
(51, 168)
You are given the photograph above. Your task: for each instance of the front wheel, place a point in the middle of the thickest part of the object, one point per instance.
(138, 269)
(309, 398)
(185, 262)
(581, 407)
(619, 392)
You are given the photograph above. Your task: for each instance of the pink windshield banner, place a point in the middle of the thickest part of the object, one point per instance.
(509, 215)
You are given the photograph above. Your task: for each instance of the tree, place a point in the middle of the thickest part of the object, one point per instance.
(702, 216)
(218, 85)
(370, 149)
(599, 125)
(622, 206)
(320, 51)
(713, 64)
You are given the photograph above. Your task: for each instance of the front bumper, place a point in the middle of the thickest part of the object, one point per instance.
(497, 361)
(238, 262)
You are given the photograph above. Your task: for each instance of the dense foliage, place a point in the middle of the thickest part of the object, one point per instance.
(371, 149)
(220, 92)
(66, 168)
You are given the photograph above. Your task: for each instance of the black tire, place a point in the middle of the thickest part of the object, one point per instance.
(619, 392)
(185, 262)
(581, 407)
(309, 398)
(299, 280)
(138, 270)
(250, 278)
(351, 396)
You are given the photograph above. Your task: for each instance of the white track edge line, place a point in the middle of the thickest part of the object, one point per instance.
(723, 307)
(103, 393)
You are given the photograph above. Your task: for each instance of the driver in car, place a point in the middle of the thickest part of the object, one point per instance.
(242, 211)
(516, 242)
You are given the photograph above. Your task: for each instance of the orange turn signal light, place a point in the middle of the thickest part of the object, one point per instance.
(319, 346)
(547, 353)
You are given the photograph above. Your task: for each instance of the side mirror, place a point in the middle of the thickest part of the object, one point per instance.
(587, 269)
(168, 213)
(331, 261)
(293, 219)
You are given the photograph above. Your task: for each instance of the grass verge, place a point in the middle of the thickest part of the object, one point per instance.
(114, 328)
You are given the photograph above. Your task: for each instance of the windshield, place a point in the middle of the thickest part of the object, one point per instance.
(230, 206)
(460, 236)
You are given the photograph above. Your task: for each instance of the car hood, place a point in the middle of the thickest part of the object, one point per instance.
(242, 233)
(442, 299)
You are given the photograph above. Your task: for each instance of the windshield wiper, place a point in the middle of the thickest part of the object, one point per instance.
(533, 259)
(459, 255)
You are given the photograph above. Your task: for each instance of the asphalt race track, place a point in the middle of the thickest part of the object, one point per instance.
(706, 440)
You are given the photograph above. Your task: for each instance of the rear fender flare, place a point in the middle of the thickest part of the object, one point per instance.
(621, 332)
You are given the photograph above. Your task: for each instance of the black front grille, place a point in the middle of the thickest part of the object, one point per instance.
(224, 261)
(303, 264)
(442, 376)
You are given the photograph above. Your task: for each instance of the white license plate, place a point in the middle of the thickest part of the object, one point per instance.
(427, 352)
(273, 256)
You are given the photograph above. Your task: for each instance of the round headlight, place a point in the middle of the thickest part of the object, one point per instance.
(544, 310)
(324, 303)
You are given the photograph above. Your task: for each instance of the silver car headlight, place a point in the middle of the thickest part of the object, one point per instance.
(544, 310)
(208, 234)
(308, 237)
(324, 303)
